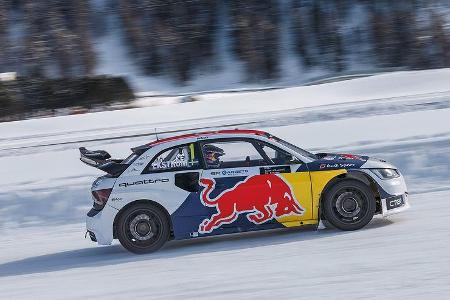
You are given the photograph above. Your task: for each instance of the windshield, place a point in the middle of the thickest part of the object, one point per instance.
(293, 147)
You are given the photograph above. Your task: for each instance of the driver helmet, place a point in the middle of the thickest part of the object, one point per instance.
(212, 155)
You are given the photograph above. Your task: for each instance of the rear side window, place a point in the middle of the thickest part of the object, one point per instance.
(175, 159)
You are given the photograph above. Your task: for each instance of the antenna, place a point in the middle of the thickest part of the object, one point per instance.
(156, 133)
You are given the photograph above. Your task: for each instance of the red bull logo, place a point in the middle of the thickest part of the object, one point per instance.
(351, 156)
(262, 197)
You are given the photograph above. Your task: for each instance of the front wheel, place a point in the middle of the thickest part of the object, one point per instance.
(349, 205)
(143, 228)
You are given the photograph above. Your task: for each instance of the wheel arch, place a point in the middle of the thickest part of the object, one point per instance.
(352, 175)
(145, 201)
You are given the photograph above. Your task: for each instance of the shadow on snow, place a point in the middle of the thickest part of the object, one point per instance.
(114, 255)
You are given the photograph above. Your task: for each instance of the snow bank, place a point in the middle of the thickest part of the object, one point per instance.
(395, 84)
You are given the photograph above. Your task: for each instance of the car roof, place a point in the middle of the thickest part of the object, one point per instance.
(204, 134)
(224, 132)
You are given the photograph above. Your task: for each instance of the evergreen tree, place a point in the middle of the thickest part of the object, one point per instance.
(5, 62)
(300, 31)
(178, 39)
(36, 48)
(81, 11)
(255, 34)
(440, 39)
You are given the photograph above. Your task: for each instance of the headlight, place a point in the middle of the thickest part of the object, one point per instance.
(386, 173)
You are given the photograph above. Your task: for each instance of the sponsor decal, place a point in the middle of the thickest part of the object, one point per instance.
(329, 158)
(350, 156)
(336, 166)
(144, 157)
(275, 170)
(145, 181)
(273, 198)
(97, 182)
(394, 202)
(234, 172)
(240, 172)
(176, 163)
(116, 199)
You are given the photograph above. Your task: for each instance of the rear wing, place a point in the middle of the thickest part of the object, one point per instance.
(101, 160)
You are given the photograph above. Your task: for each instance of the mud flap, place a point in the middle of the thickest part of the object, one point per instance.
(321, 225)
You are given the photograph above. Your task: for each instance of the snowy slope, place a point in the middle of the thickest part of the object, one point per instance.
(225, 106)
(44, 194)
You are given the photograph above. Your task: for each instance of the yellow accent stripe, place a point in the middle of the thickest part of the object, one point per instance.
(319, 180)
(300, 185)
(300, 223)
(307, 188)
(191, 148)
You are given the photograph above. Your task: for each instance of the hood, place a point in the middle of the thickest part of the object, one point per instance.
(376, 163)
(333, 161)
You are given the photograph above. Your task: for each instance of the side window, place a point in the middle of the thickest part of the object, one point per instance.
(174, 159)
(231, 154)
(278, 156)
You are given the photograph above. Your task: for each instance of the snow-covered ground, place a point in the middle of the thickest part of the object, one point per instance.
(402, 117)
(404, 257)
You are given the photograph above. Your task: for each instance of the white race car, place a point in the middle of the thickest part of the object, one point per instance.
(232, 181)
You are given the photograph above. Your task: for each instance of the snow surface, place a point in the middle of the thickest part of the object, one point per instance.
(44, 195)
(404, 257)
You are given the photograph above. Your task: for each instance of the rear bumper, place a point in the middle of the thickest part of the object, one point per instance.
(101, 225)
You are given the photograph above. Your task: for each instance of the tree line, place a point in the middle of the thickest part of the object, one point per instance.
(56, 38)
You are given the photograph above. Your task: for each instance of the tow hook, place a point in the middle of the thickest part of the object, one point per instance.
(91, 235)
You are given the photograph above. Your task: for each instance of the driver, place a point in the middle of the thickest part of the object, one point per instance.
(212, 155)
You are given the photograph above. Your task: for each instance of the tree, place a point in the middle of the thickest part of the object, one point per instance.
(5, 62)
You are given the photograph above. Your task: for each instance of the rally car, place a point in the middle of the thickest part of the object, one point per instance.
(231, 181)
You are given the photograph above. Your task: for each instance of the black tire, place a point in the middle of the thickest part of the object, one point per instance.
(143, 228)
(349, 205)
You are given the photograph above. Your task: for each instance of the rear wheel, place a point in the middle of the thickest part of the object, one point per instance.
(349, 205)
(143, 228)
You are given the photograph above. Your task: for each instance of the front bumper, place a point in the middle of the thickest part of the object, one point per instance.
(393, 194)
(394, 205)
(101, 225)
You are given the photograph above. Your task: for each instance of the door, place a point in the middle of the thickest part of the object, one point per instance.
(287, 166)
(181, 167)
(249, 185)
